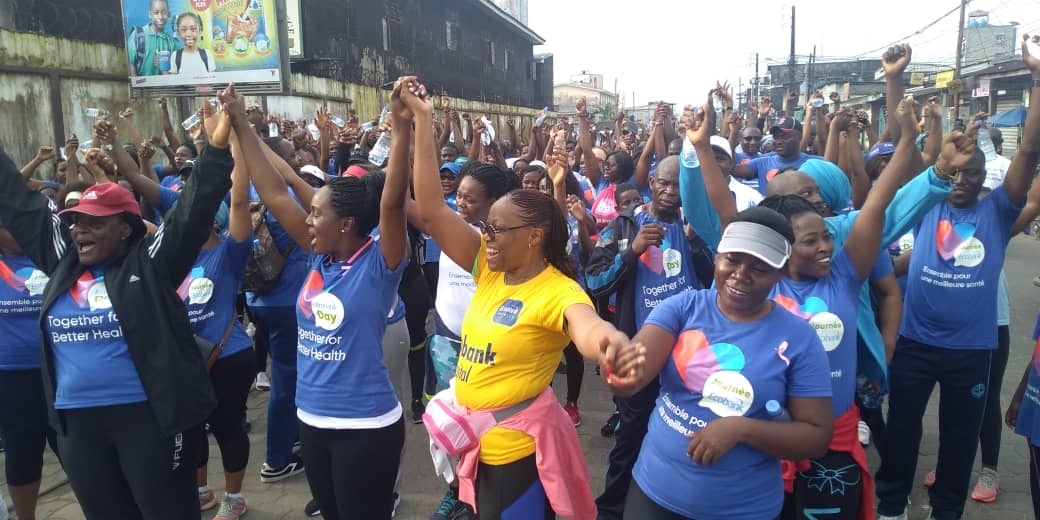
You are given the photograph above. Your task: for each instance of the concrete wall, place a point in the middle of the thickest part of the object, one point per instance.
(46, 82)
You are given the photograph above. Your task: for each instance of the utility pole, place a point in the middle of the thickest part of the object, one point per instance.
(758, 94)
(957, 67)
(790, 61)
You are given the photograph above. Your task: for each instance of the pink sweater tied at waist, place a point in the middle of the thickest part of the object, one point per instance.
(558, 456)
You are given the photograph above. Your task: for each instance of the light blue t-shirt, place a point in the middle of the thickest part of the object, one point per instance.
(766, 166)
(720, 368)
(951, 288)
(341, 316)
(91, 358)
(21, 295)
(829, 305)
(1028, 423)
(210, 290)
(433, 251)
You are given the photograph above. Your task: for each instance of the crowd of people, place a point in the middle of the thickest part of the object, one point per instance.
(751, 294)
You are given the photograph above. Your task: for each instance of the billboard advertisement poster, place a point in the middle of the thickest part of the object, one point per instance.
(179, 43)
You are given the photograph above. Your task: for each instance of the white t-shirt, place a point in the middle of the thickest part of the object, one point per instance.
(191, 63)
(455, 288)
(746, 196)
(996, 170)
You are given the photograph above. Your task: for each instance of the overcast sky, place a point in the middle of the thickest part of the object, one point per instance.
(676, 49)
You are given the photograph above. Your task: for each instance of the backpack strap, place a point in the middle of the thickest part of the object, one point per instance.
(205, 60)
(177, 58)
(140, 44)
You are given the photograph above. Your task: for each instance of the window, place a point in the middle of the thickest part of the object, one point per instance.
(505, 60)
(489, 52)
(453, 36)
(386, 34)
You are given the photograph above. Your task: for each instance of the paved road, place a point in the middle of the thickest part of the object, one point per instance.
(421, 491)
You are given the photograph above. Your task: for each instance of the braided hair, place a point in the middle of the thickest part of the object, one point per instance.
(539, 210)
(789, 206)
(494, 181)
(358, 198)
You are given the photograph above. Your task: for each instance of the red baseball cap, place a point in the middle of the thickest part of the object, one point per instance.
(103, 200)
(355, 171)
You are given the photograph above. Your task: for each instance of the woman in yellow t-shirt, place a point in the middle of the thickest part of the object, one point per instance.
(526, 309)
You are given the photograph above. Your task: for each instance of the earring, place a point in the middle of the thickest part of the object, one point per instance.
(343, 231)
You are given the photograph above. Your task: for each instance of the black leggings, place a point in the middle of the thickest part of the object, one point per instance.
(993, 421)
(638, 506)
(260, 348)
(23, 423)
(351, 473)
(120, 466)
(575, 372)
(231, 377)
(511, 491)
(832, 486)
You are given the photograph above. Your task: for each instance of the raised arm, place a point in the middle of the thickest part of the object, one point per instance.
(894, 62)
(240, 225)
(857, 171)
(864, 240)
(269, 183)
(1023, 165)
(457, 239)
(641, 178)
(592, 170)
(105, 131)
(44, 154)
(933, 121)
(322, 121)
(393, 230)
(698, 131)
(171, 136)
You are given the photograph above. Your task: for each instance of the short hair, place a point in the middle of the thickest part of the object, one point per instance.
(769, 218)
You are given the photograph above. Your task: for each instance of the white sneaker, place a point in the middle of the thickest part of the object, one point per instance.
(251, 330)
(901, 516)
(864, 433)
(262, 382)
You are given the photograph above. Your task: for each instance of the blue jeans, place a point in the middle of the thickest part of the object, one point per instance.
(962, 376)
(278, 325)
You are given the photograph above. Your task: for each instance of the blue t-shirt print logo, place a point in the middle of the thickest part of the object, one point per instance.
(508, 313)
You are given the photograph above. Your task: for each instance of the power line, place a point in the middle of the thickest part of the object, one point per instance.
(907, 37)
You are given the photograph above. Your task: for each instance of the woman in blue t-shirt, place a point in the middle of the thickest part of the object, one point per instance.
(730, 360)
(209, 292)
(23, 409)
(350, 417)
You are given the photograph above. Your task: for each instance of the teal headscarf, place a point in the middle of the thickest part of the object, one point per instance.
(835, 188)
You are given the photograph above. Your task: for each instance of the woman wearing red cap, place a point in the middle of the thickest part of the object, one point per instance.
(125, 384)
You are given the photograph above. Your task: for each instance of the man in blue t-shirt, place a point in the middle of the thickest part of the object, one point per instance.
(748, 150)
(643, 257)
(787, 135)
(949, 327)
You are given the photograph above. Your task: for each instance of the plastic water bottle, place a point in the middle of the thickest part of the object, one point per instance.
(191, 122)
(817, 102)
(314, 130)
(541, 117)
(95, 112)
(985, 143)
(776, 412)
(338, 121)
(381, 150)
(489, 132)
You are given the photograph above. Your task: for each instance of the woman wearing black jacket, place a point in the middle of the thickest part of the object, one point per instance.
(125, 385)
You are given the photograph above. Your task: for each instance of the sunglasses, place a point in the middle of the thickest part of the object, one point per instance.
(490, 232)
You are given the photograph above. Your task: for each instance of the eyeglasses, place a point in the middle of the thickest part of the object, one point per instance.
(750, 138)
(490, 231)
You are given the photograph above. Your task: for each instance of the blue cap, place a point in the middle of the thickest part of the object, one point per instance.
(452, 167)
(773, 408)
(882, 148)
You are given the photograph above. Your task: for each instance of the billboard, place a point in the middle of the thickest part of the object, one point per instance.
(295, 39)
(190, 47)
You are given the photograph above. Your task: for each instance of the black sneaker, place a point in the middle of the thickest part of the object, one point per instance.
(417, 410)
(311, 510)
(610, 427)
(269, 474)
